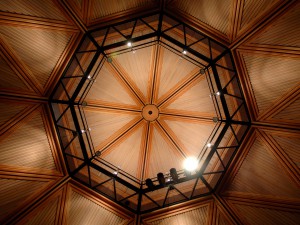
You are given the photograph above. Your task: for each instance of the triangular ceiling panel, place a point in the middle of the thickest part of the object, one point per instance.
(271, 77)
(9, 79)
(259, 171)
(291, 145)
(283, 31)
(254, 214)
(127, 152)
(136, 66)
(162, 155)
(39, 49)
(82, 210)
(14, 193)
(185, 131)
(253, 9)
(44, 9)
(174, 70)
(211, 12)
(193, 100)
(28, 146)
(110, 90)
(107, 125)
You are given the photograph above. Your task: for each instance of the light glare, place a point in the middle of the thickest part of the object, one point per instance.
(129, 44)
(190, 164)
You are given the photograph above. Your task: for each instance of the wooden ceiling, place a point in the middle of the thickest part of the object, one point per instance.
(38, 38)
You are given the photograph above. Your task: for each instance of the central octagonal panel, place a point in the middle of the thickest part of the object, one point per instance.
(148, 110)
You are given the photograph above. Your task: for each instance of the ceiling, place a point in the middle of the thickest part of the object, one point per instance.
(38, 40)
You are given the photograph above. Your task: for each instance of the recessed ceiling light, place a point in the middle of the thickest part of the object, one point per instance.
(190, 164)
(209, 145)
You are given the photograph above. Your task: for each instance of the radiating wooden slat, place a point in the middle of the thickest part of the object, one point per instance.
(260, 171)
(271, 77)
(184, 132)
(192, 100)
(284, 31)
(174, 70)
(108, 88)
(136, 66)
(107, 125)
(9, 110)
(127, 152)
(162, 155)
(36, 8)
(38, 49)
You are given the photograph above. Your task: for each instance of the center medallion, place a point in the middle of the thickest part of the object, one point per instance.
(150, 112)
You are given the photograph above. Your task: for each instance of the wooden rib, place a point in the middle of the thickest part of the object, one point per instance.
(236, 18)
(113, 106)
(148, 133)
(13, 19)
(156, 71)
(272, 49)
(14, 62)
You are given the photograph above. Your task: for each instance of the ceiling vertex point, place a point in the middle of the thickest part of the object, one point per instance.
(178, 95)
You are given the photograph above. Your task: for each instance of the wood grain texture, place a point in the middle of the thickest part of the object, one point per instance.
(214, 13)
(30, 141)
(82, 210)
(43, 9)
(284, 31)
(250, 178)
(38, 49)
(271, 77)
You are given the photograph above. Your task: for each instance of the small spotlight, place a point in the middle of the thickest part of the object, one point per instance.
(174, 174)
(83, 131)
(218, 93)
(150, 184)
(89, 77)
(84, 103)
(215, 119)
(202, 71)
(129, 44)
(184, 52)
(115, 173)
(209, 145)
(161, 179)
(190, 164)
(168, 180)
(97, 153)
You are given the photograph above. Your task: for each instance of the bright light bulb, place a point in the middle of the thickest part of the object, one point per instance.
(82, 131)
(209, 145)
(89, 76)
(218, 93)
(190, 163)
(184, 52)
(129, 44)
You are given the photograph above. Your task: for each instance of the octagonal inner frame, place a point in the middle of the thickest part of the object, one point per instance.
(101, 45)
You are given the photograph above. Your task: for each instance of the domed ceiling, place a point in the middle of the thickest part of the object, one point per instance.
(139, 98)
(78, 177)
